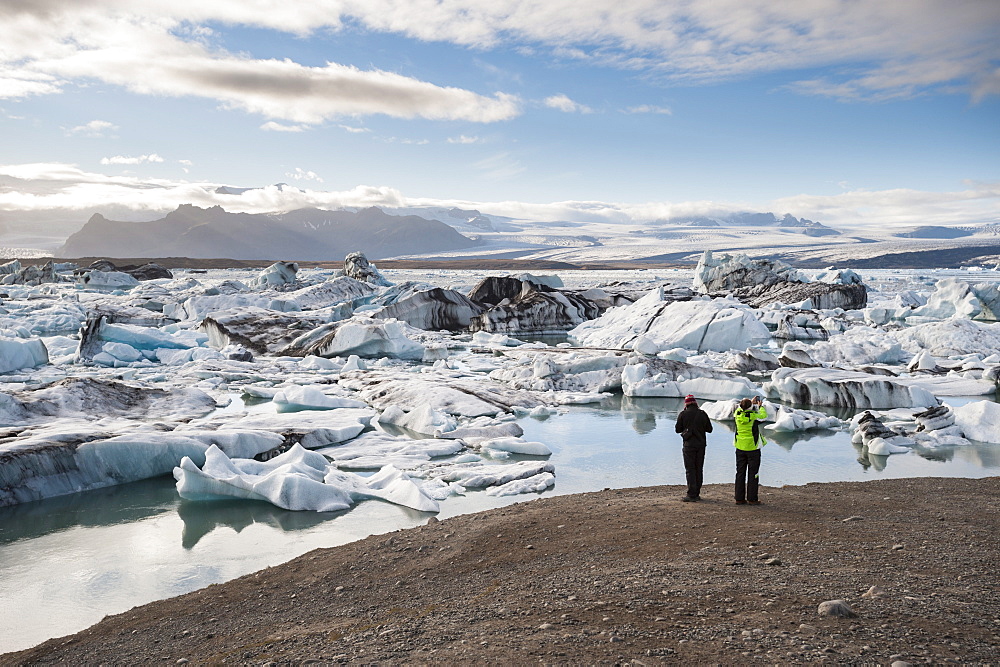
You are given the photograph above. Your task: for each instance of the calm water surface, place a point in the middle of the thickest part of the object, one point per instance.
(67, 562)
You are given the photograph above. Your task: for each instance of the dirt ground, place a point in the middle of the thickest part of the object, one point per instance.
(616, 576)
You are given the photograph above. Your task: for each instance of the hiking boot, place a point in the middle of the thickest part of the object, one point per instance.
(753, 502)
(741, 502)
(690, 499)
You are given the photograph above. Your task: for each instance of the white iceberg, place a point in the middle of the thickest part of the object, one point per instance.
(295, 480)
(719, 324)
(296, 398)
(16, 353)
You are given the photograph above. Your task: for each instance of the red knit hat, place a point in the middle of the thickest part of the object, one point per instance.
(689, 399)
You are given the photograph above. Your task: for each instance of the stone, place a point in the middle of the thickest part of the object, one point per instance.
(836, 608)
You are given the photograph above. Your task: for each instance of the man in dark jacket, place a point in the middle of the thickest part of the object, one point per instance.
(693, 423)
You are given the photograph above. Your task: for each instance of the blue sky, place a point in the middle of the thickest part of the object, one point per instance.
(847, 112)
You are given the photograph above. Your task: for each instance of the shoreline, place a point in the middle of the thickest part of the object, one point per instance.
(610, 576)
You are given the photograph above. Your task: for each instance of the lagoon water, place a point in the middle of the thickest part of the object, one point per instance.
(67, 562)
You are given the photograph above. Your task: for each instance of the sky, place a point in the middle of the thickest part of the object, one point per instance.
(850, 112)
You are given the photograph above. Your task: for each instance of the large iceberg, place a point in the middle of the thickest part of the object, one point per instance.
(362, 336)
(702, 325)
(956, 298)
(759, 282)
(841, 388)
(16, 353)
(57, 460)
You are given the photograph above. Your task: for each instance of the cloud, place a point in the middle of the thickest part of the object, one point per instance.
(124, 159)
(158, 53)
(302, 175)
(500, 167)
(271, 126)
(95, 129)
(58, 186)
(649, 108)
(463, 139)
(563, 103)
(354, 130)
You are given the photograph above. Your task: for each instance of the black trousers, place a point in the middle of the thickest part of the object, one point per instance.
(747, 469)
(694, 463)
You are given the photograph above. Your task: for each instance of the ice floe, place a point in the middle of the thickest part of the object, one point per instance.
(296, 480)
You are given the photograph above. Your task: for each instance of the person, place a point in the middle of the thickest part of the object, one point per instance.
(748, 442)
(693, 423)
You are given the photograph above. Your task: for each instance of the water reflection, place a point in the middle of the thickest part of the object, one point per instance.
(201, 518)
(125, 503)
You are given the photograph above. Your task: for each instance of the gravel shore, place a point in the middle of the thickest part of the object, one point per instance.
(629, 575)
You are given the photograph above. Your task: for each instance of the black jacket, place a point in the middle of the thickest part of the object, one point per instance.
(693, 424)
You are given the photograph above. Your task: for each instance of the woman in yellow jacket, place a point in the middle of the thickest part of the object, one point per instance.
(748, 443)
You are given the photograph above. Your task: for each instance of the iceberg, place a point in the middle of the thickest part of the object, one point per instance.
(637, 380)
(276, 275)
(842, 388)
(362, 336)
(312, 429)
(72, 457)
(295, 398)
(979, 420)
(702, 325)
(16, 354)
(373, 450)
(295, 480)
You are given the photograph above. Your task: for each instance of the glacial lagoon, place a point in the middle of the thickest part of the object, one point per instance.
(67, 562)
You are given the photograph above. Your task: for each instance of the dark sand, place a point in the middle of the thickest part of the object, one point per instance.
(610, 577)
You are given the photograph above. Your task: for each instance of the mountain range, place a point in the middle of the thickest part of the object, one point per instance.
(308, 234)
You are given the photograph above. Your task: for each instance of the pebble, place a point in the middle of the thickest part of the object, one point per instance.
(772, 561)
(546, 626)
(854, 518)
(900, 663)
(897, 547)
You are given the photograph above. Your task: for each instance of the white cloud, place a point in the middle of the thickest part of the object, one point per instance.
(186, 163)
(271, 126)
(126, 159)
(354, 130)
(157, 53)
(96, 129)
(564, 103)
(57, 186)
(302, 175)
(463, 139)
(649, 108)
(500, 167)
